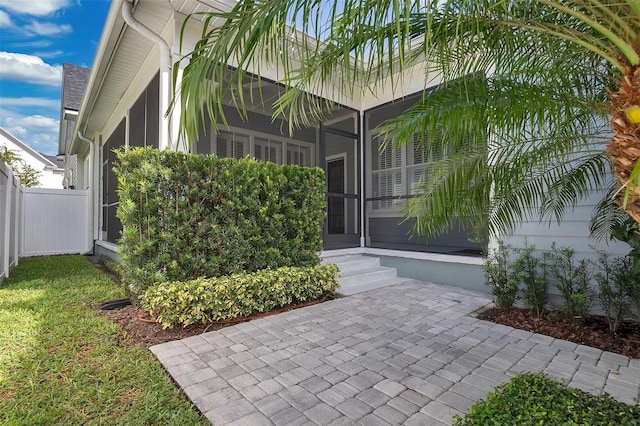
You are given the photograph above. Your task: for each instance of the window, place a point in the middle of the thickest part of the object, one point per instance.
(267, 149)
(262, 146)
(397, 172)
(298, 154)
(386, 174)
(230, 144)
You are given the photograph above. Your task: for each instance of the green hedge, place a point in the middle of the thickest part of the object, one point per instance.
(534, 399)
(236, 296)
(187, 216)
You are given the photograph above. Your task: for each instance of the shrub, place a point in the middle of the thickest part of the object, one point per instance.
(617, 281)
(531, 272)
(212, 299)
(499, 278)
(534, 399)
(573, 279)
(187, 216)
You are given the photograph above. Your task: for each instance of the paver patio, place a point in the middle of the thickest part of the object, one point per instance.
(405, 354)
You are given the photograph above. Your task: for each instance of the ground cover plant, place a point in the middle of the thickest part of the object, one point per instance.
(534, 399)
(60, 363)
(204, 300)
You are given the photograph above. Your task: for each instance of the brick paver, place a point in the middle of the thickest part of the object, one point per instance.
(403, 354)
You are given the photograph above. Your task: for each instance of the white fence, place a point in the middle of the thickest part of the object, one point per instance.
(11, 208)
(38, 221)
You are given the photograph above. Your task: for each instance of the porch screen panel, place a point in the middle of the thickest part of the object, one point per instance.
(393, 177)
(110, 222)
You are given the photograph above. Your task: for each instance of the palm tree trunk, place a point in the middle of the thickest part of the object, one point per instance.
(624, 148)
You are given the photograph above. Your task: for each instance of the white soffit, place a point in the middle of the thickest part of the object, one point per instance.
(125, 54)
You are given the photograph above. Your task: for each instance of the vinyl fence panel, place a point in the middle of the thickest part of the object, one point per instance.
(56, 221)
(11, 198)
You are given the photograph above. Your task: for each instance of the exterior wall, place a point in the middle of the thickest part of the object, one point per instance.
(455, 271)
(572, 232)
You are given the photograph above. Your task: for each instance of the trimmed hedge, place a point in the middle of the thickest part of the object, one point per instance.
(236, 296)
(187, 216)
(534, 399)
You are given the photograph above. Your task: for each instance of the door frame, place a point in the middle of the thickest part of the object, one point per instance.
(346, 240)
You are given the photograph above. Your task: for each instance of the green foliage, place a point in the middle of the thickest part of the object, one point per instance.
(531, 272)
(572, 278)
(187, 216)
(28, 175)
(619, 285)
(541, 71)
(499, 276)
(236, 296)
(534, 399)
(62, 364)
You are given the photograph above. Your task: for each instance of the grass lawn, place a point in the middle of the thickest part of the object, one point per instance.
(60, 363)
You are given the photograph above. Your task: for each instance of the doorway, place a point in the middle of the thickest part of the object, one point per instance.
(340, 155)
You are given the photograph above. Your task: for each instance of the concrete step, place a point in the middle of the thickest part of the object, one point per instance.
(368, 285)
(368, 275)
(354, 265)
(362, 273)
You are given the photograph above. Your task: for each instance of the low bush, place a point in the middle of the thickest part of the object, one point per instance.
(572, 277)
(534, 399)
(499, 276)
(531, 272)
(617, 281)
(204, 300)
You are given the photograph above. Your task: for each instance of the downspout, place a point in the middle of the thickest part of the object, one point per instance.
(165, 70)
(93, 193)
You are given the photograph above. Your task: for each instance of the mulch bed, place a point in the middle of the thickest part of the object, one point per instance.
(139, 329)
(594, 331)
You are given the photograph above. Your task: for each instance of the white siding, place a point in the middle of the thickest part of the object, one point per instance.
(572, 232)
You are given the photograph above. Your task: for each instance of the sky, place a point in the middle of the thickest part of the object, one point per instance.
(36, 38)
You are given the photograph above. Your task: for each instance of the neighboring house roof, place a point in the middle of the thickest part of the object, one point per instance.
(54, 159)
(46, 162)
(73, 86)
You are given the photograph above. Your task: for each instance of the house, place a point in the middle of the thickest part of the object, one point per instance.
(128, 92)
(74, 82)
(51, 171)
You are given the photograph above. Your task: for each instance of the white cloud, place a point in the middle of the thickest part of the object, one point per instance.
(35, 44)
(35, 7)
(31, 102)
(47, 28)
(18, 131)
(34, 122)
(49, 54)
(37, 131)
(5, 20)
(29, 69)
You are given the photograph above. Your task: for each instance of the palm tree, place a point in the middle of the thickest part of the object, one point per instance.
(518, 126)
